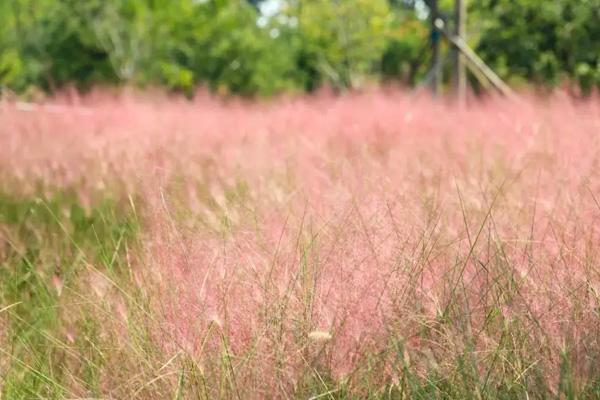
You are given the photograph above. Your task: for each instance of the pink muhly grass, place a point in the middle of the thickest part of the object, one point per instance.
(371, 220)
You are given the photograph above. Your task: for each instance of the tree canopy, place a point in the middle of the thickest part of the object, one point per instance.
(233, 46)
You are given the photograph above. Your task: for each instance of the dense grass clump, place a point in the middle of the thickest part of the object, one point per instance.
(374, 245)
(51, 247)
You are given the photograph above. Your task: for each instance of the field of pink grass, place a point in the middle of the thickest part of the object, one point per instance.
(364, 245)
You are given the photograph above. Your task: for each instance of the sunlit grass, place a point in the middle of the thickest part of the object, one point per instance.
(367, 246)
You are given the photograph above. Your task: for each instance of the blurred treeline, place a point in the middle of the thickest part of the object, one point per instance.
(264, 47)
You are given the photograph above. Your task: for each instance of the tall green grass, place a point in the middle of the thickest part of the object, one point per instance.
(48, 245)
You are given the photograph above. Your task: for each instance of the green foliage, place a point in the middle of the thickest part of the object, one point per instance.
(49, 44)
(180, 44)
(214, 43)
(543, 41)
(406, 50)
(228, 46)
(343, 41)
(46, 244)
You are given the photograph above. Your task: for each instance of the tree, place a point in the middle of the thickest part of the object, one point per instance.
(229, 46)
(542, 41)
(342, 42)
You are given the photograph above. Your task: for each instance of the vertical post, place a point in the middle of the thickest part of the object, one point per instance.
(436, 82)
(460, 31)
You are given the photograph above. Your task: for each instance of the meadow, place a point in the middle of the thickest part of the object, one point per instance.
(377, 245)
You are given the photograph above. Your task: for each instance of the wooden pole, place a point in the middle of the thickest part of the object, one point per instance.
(436, 82)
(478, 63)
(460, 32)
